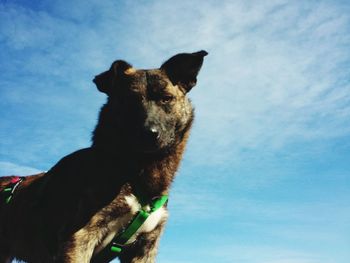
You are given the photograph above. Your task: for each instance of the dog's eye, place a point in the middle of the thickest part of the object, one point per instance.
(167, 98)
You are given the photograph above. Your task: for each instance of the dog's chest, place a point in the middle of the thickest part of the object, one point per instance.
(115, 226)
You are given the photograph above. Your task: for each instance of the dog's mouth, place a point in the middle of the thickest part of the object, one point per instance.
(151, 145)
(146, 143)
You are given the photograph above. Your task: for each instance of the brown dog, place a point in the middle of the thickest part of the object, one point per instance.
(73, 212)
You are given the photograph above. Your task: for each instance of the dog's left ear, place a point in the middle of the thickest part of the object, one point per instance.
(106, 81)
(182, 69)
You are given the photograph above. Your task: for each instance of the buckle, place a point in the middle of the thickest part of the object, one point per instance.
(116, 248)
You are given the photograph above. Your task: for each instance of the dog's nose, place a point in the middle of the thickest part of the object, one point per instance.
(153, 133)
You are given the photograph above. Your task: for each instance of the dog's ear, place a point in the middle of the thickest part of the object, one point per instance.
(182, 69)
(107, 80)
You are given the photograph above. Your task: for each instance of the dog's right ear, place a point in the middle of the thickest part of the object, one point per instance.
(106, 81)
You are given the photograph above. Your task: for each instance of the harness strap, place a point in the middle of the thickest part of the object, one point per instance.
(115, 247)
(10, 189)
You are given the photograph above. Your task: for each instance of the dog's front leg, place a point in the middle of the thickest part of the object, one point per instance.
(80, 248)
(145, 249)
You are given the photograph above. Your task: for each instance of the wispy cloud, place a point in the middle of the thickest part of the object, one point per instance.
(7, 168)
(266, 254)
(279, 80)
(259, 227)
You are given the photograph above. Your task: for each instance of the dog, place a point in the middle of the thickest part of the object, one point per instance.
(73, 212)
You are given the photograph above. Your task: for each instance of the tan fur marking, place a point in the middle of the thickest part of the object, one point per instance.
(130, 71)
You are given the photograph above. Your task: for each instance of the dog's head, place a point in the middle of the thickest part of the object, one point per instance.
(150, 107)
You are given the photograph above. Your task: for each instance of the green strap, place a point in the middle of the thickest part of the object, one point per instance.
(120, 240)
(9, 191)
(138, 221)
(158, 203)
(140, 218)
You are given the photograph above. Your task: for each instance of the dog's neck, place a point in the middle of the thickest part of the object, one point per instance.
(151, 173)
(156, 175)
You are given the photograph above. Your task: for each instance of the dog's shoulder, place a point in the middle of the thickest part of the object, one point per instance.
(74, 161)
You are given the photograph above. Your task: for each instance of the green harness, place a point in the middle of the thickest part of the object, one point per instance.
(115, 247)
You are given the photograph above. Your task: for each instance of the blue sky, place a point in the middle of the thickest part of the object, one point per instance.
(266, 175)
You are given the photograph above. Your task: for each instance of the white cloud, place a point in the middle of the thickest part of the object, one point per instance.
(264, 254)
(8, 168)
(275, 83)
(227, 252)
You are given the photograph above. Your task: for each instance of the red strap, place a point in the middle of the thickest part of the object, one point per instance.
(15, 180)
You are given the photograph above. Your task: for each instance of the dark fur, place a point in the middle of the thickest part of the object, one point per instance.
(137, 147)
